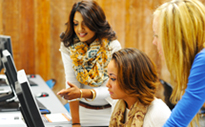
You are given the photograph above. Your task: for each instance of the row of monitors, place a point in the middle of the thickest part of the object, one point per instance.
(19, 85)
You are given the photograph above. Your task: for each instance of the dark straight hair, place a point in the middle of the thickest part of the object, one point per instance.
(136, 74)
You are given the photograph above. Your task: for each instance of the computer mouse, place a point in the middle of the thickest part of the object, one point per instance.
(42, 94)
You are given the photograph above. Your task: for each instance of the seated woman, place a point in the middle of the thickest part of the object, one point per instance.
(133, 80)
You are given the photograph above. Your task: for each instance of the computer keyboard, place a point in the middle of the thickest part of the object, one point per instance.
(42, 108)
(14, 106)
(9, 106)
(40, 105)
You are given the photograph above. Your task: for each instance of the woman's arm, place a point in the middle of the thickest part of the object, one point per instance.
(74, 108)
(194, 95)
(70, 76)
(74, 93)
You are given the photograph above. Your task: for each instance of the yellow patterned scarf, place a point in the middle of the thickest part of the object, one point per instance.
(90, 62)
(135, 116)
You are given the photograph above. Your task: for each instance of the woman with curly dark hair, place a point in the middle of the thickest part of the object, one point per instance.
(86, 49)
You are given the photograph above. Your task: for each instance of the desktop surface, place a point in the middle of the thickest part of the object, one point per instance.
(52, 103)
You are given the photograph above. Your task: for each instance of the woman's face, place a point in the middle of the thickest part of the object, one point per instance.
(81, 30)
(113, 87)
(156, 40)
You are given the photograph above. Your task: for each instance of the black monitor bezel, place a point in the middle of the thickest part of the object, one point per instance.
(11, 74)
(28, 105)
(9, 68)
(5, 43)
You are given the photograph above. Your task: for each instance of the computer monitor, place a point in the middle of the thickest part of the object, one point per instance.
(9, 68)
(28, 105)
(5, 43)
(11, 74)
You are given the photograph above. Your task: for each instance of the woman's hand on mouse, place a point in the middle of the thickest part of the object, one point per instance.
(70, 93)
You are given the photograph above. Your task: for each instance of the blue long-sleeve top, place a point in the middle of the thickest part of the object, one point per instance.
(194, 96)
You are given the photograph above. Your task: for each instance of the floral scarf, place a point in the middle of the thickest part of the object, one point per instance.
(135, 116)
(90, 62)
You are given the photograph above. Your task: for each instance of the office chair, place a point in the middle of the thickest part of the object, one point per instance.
(67, 107)
(167, 93)
(51, 83)
(202, 111)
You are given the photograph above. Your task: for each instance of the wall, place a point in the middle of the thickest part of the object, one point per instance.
(35, 26)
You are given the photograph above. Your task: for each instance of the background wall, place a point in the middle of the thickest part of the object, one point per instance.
(35, 26)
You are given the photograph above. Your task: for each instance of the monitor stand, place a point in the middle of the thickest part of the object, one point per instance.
(9, 106)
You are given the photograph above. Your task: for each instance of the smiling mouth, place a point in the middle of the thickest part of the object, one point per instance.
(82, 34)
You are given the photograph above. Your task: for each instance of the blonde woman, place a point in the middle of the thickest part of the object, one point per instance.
(179, 34)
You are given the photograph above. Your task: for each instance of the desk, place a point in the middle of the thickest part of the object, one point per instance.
(51, 102)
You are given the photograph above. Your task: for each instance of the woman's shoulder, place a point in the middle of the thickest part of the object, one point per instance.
(157, 114)
(63, 48)
(198, 66)
(157, 106)
(199, 60)
(114, 43)
(201, 55)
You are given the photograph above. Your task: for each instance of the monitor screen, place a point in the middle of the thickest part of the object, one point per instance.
(5, 43)
(11, 74)
(9, 68)
(28, 106)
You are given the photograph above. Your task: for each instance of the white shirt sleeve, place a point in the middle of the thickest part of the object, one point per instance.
(102, 91)
(69, 72)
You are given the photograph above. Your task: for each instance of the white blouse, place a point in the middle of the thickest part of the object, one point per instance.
(157, 114)
(102, 94)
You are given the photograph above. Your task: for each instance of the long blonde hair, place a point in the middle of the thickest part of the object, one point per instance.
(181, 31)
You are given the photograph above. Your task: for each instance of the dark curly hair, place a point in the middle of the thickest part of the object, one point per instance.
(94, 18)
